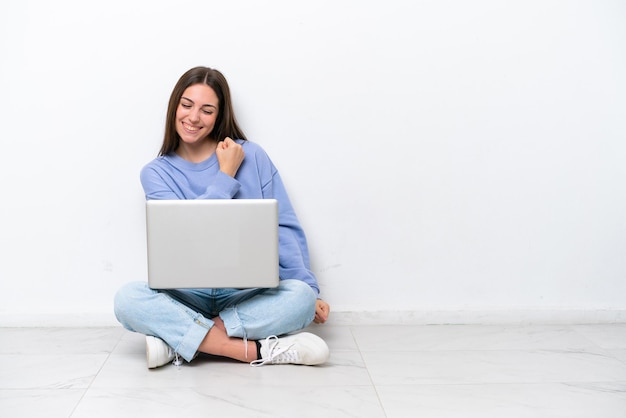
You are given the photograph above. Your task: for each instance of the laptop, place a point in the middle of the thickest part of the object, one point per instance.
(212, 243)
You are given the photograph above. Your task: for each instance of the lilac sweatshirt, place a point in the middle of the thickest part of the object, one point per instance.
(171, 177)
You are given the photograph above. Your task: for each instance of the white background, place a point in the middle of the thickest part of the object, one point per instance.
(443, 156)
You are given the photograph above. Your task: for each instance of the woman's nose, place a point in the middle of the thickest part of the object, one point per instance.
(194, 115)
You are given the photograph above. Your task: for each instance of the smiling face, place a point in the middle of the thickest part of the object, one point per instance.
(196, 114)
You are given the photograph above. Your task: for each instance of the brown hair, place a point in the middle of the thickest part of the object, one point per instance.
(225, 125)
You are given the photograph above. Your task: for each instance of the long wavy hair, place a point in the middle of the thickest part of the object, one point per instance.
(225, 125)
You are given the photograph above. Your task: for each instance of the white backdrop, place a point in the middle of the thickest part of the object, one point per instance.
(450, 160)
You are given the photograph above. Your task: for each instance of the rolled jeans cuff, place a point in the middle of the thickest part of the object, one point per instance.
(194, 336)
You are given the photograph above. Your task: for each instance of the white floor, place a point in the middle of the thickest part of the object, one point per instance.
(374, 371)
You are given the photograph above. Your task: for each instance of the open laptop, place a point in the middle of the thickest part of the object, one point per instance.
(212, 243)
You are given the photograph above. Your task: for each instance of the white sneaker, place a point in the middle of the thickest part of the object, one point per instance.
(157, 352)
(304, 348)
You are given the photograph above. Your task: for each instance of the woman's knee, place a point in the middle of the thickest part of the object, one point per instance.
(127, 298)
(302, 295)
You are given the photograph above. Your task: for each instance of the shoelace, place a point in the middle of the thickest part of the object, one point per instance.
(276, 354)
(171, 354)
(177, 360)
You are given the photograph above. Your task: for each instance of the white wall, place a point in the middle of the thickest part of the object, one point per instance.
(460, 157)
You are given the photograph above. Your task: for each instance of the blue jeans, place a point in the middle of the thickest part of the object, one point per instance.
(182, 317)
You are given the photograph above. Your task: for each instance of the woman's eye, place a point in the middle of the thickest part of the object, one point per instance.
(208, 112)
(185, 105)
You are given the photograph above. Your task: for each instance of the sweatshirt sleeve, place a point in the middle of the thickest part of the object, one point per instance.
(293, 248)
(160, 184)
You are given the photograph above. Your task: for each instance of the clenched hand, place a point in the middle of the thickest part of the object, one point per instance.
(229, 156)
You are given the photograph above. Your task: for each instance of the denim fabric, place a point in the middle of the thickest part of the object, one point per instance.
(183, 317)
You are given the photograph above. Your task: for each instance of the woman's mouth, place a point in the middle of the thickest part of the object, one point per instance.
(190, 128)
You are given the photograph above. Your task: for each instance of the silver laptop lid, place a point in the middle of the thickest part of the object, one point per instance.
(212, 243)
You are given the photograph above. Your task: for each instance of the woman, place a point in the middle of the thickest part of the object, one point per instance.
(205, 156)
